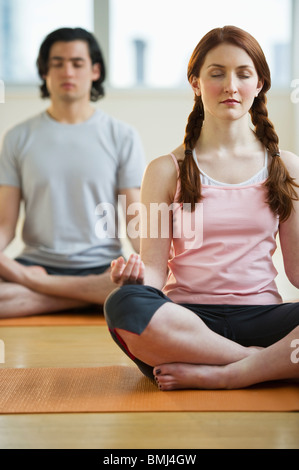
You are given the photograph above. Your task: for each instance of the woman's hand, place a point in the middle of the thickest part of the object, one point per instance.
(130, 272)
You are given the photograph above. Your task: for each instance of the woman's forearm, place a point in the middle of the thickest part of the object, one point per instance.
(154, 277)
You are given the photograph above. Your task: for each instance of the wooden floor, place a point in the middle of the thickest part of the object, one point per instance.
(86, 346)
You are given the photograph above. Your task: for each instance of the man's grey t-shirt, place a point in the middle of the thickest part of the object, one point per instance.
(69, 174)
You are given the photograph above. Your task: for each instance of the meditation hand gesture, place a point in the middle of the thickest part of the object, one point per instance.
(130, 272)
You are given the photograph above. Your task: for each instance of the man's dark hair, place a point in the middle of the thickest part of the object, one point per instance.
(67, 35)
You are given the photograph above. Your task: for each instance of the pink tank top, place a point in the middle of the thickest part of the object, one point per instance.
(223, 250)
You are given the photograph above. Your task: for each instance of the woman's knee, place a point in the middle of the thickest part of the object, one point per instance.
(131, 307)
(120, 300)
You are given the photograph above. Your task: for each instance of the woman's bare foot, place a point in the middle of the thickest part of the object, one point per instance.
(177, 376)
(180, 375)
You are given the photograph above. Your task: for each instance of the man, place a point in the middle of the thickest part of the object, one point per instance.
(64, 163)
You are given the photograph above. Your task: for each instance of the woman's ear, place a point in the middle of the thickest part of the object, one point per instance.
(260, 85)
(195, 84)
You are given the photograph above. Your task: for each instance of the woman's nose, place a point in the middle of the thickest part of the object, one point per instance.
(230, 85)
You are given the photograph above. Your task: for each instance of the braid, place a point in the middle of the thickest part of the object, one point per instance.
(189, 173)
(264, 128)
(280, 185)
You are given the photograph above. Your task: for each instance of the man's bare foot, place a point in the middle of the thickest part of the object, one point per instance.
(179, 375)
(37, 270)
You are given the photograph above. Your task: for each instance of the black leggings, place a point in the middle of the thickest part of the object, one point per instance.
(131, 308)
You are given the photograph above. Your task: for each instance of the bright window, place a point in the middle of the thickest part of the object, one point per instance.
(152, 41)
(23, 26)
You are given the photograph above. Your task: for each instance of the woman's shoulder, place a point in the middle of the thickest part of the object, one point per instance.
(291, 161)
(167, 163)
(162, 172)
(179, 153)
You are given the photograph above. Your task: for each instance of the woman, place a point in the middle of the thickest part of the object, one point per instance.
(214, 318)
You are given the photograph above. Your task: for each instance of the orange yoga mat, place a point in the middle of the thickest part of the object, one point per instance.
(70, 318)
(125, 389)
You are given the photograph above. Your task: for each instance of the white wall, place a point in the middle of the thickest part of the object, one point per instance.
(160, 118)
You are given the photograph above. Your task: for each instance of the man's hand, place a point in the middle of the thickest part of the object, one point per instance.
(12, 271)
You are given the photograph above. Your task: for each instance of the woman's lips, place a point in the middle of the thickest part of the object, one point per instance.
(230, 102)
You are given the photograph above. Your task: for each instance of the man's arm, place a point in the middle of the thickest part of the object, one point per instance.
(10, 199)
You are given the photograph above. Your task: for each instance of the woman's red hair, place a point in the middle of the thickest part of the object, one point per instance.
(280, 186)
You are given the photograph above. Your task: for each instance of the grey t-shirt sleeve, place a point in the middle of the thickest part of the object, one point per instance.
(9, 168)
(131, 160)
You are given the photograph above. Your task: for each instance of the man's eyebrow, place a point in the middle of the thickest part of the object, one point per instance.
(56, 57)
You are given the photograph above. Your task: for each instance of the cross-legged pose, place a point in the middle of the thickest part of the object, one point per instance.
(211, 316)
(69, 165)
